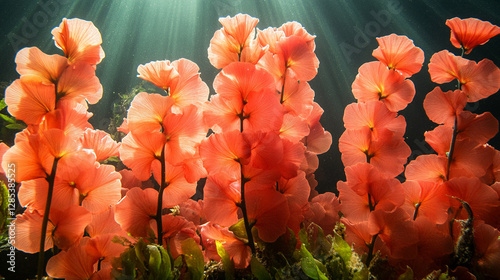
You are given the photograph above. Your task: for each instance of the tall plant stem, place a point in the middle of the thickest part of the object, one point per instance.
(41, 255)
(159, 208)
(370, 250)
(243, 206)
(452, 148)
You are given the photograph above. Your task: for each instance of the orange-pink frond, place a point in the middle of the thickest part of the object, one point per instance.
(399, 53)
(471, 32)
(80, 40)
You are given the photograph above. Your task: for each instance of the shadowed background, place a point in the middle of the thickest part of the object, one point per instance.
(139, 31)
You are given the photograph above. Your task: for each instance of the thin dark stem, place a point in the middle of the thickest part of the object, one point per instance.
(55, 89)
(283, 87)
(370, 250)
(452, 148)
(159, 208)
(416, 211)
(99, 264)
(243, 206)
(371, 204)
(241, 121)
(367, 153)
(41, 255)
(459, 85)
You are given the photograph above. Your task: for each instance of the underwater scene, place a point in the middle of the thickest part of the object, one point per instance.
(266, 139)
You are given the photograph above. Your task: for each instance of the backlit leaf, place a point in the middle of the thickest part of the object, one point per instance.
(342, 248)
(193, 257)
(227, 263)
(258, 270)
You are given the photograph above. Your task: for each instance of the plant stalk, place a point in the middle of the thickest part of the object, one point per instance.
(159, 208)
(452, 148)
(283, 87)
(243, 206)
(41, 255)
(370, 250)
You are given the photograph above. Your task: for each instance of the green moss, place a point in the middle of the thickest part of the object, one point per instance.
(121, 106)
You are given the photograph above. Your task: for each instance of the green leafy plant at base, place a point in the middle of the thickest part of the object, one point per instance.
(332, 255)
(193, 258)
(311, 267)
(147, 260)
(227, 264)
(319, 257)
(143, 261)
